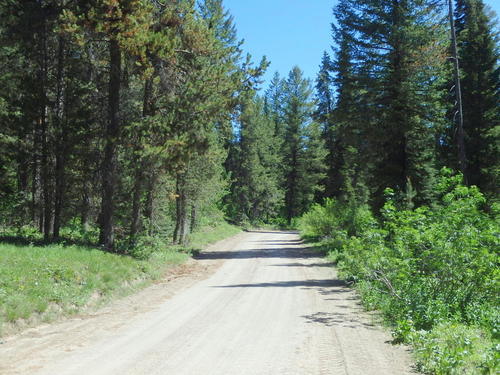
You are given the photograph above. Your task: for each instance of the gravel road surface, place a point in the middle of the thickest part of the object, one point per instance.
(258, 303)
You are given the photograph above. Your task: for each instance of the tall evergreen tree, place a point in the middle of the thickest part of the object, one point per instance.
(351, 147)
(324, 90)
(312, 167)
(213, 91)
(136, 94)
(14, 154)
(323, 115)
(257, 195)
(123, 25)
(388, 71)
(303, 150)
(274, 104)
(478, 54)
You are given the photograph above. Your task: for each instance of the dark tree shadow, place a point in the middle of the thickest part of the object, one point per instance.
(281, 232)
(283, 252)
(303, 265)
(279, 242)
(347, 319)
(321, 284)
(27, 241)
(283, 243)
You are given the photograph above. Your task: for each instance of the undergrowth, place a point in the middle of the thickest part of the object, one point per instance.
(432, 272)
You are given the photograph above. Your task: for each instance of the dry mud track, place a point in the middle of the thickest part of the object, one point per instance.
(258, 303)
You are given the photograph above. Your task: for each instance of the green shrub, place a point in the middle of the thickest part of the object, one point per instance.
(335, 222)
(145, 246)
(423, 267)
(26, 232)
(75, 231)
(438, 264)
(455, 349)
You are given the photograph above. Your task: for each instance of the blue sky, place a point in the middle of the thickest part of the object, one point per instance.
(289, 32)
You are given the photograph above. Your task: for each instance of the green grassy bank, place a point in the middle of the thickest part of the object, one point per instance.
(42, 282)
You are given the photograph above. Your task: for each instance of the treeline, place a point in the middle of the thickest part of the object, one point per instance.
(277, 159)
(418, 240)
(394, 120)
(143, 118)
(117, 114)
(384, 114)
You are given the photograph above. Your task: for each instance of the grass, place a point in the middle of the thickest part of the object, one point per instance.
(211, 234)
(42, 282)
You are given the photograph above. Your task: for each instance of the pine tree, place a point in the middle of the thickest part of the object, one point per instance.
(123, 25)
(412, 98)
(323, 115)
(256, 192)
(31, 25)
(324, 91)
(14, 174)
(478, 54)
(274, 108)
(312, 167)
(303, 150)
(274, 104)
(121, 101)
(388, 72)
(351, 146)
(210, 94)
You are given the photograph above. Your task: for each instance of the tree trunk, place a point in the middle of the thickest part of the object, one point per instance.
(22, 172)
(47, 193)
(106, 236)
(184, 224)
(35, 216)
(292, 188)
(87, 174)
(46, 185)
(150, 195)
(85, 208)
(136, 201)
(36, 185)
(193, 218)
(23, 182)
(140, 167)
(181, 218)
(59, 193)
(61, 148)
(462, 157)
(178, 210)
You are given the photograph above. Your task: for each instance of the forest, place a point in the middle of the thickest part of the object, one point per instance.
(129, 126)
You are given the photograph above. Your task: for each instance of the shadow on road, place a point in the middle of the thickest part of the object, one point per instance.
(327, 283)
(283, 243)
(283, 252)
(347, 319)
(303, 265)
(272, 232)
(280, 242)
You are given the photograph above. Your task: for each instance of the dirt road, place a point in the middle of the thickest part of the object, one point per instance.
(259, 303)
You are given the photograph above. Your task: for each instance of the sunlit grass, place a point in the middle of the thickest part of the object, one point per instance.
(57, 279)
(212, 234)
